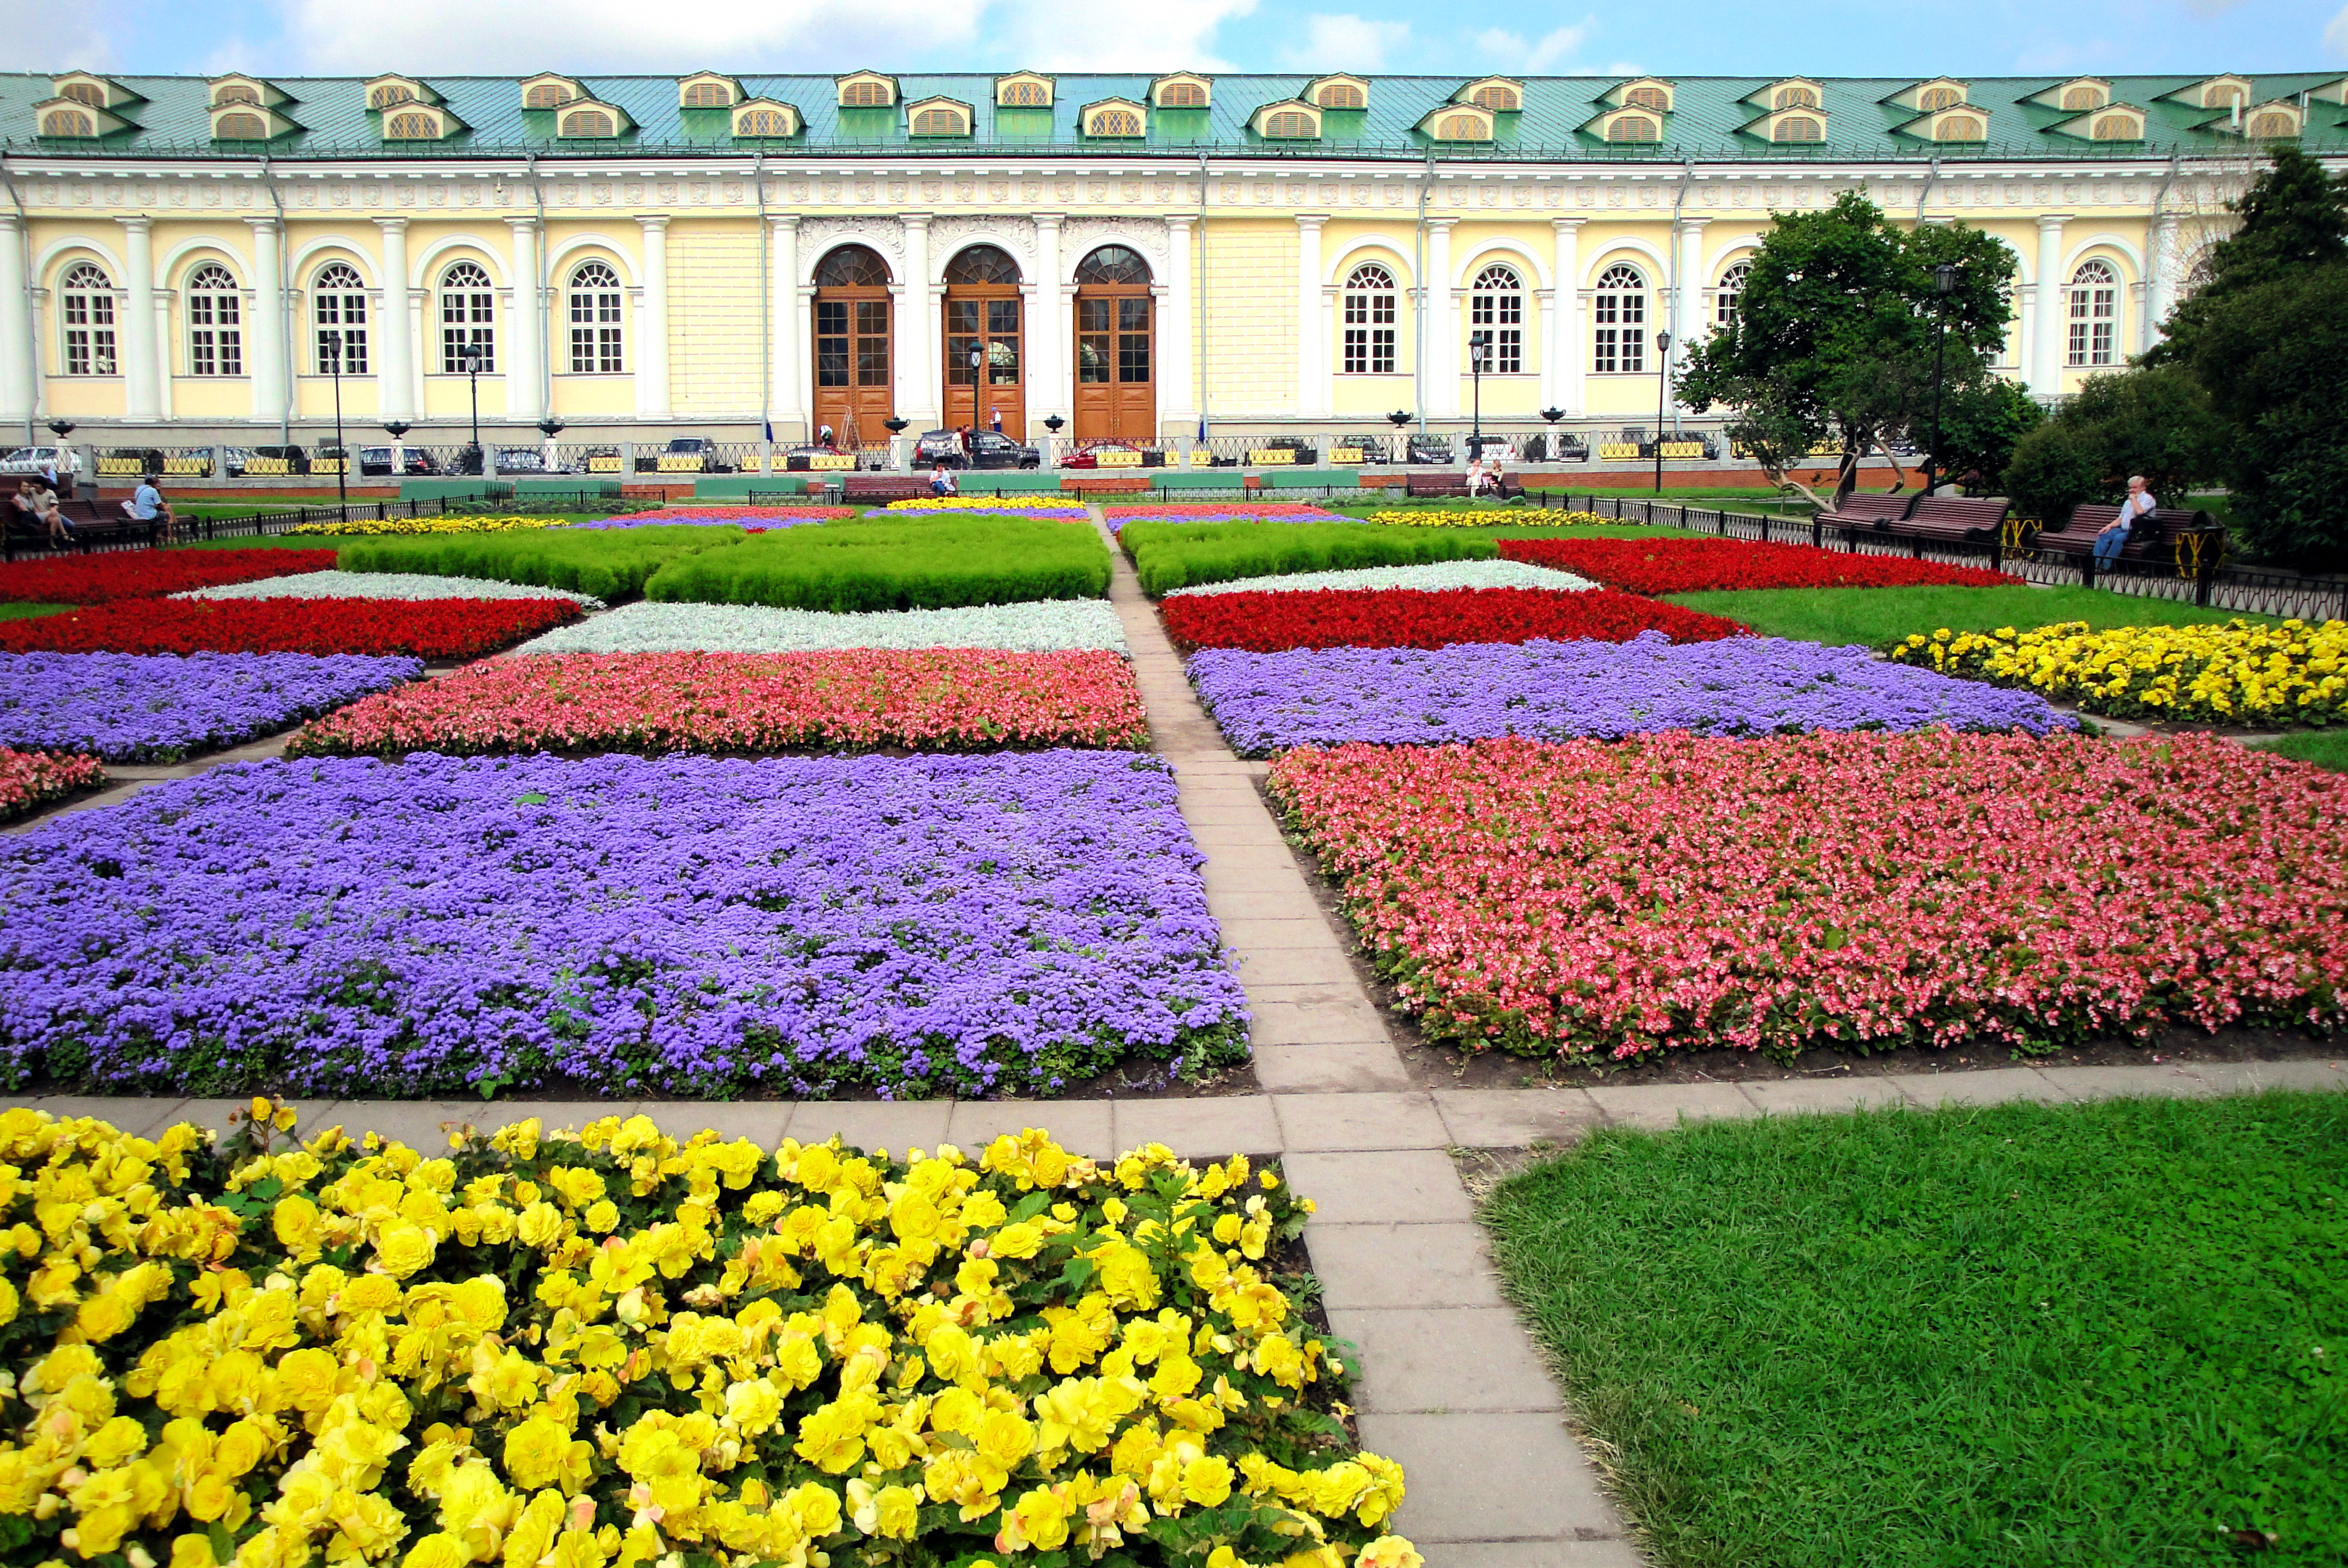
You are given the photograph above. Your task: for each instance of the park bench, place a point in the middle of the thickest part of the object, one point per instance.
(1953, 519)
(882, 488)
(1422, 486)
(1862, 514)
(2150, 539)
(93, 523)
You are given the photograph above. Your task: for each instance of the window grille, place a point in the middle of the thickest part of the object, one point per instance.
(1369, 305)
(1959, 128)
(1647, 99)
(1800, 127)
(763, 122)
(708, 95)
(1795, 98)
(595, 320)
(1632, 128)
(1116, 122)
(1934, 98)
(68, 122)
(864, 95)
(1341, 96)
(2273, 123)
(1732, 286)
(240, 128)
(338, 311)
(87, 304)
(411, 127)
(2094, 313)
(1498, 99)
(940, 122)
(1290, 125)
(2117, 127)
(1496, 306)
(467, 319)
(1459, 128)
(1181, 96)
(546, 95)
(1024, 95)
(588, 123)
(2225, 96)
(1619, 323)
(235, 92)
(390, 96)
(88, 93)
(215, 324)
(2080, 98)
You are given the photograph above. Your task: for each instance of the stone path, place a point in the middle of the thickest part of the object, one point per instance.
(1452, 1385)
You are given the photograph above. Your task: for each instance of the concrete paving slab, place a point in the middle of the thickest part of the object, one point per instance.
(1662, 1105)
(1565, 1552)
(2110, 1082)
(894, 1126)
(2253, 1077)
(1258, 835)
(425, 1124)
(1265, 935)
(1213, 1127)
(140, 1116)
(1788, 1095)
(760, 1121)
(1342, 1121)
(1481, 1478)
(1403, 1265)
(1293, 902)
(1417, 1186)
(1356, 1067)
(1079, 1126)
(1322, 964)
(1990, 1086)
(1216, 813)
(1318, 993)
(1425, 1361)
(1353, 1018)
(1515, 1118)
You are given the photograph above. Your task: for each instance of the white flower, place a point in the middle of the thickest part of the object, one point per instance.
(384, 585)
(1439, 575)
(1042, 627)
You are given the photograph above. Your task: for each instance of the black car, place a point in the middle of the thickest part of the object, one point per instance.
(416, 462)
(1436, 450)
(1306, 454)
(685, 446)
(987, 450)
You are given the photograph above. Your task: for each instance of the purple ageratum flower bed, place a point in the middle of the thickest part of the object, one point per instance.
(913, 926)
(1556, 690)
(160, 707)
(1063, 513)
(731, 522)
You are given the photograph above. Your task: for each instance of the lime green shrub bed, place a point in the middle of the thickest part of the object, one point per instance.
(2073, 1335)
(1168, 556)
(934, 562)
(609, 564)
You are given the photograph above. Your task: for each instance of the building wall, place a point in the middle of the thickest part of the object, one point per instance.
(1259, 303)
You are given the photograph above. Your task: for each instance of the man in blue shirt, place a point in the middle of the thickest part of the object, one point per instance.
(147, 503)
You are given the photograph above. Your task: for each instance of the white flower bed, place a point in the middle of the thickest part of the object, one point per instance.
(1441, 574)
(1042, 627)
(384, 585)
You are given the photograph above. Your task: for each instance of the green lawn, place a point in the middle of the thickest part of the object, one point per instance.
(1880, 616)
(850, 565)
(26, 611)
(2324, 748)
(2086, 1336)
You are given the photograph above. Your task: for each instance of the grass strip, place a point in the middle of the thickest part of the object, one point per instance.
(1878, 617)
(609, 565)
(934, 563)
(26, 611)
(1168, 556)
(2325, 748)
(2021, 1334)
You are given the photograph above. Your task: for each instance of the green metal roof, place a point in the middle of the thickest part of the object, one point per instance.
(1706, 121)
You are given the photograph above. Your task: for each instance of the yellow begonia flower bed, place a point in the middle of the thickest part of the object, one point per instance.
(447, 525)
(2238, 672)
(983, 503)
(608, 1348)
(1513, 519)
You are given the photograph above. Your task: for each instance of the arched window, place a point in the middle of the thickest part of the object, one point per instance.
(1800, 127)
(940, 122)
(390, 95)
(2117, 127)
(1795, 98)
(1369, 321)
(2078, 99)
(708, 95)
(546, 95)
(235, 92)
(1341, 96)
(68, 122)
(1496, 307)
(2225, 96)
(594, 320)
(1939, 98)
(1959, 128)
(1181, 96)
(1631, 127)
(1619, 323)
(240, 128)
(1115, 122)
(588, 124)
(215, 322)
(1113, 264)
(982, 264)
(339, 312)
(1459, 128)
(864, 95)
(1732, 286)
(1496, 98)
(2095, 312)
(1646, 99)
(1290, 125)
(851, 267)
(2273, 123)
(411, 127)
(1024, 95)
(86, 308)
(763, 122)
(85, 93)
(468, 314)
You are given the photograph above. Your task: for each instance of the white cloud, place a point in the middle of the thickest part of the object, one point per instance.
(1341, 41)
(1553, 54)
(1085, 35)
(55, 37)
(2336, 35)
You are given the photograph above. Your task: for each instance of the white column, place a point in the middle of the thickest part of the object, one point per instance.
(139, 363)
(1177, 391)
(526, 333)
(1687, 296)
(15, 326)
(920, 398)
(395, 328)
(652, 323)
(2047, 327)
(789, 412)
(265, 344)
(1050, 381)
(1561, 365)
(164, 368)
(1442, 373)
(2161, 280)
(1311, 359)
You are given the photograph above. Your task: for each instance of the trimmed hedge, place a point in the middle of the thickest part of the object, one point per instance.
(608, 565)
(1168, 556)
(935, 562)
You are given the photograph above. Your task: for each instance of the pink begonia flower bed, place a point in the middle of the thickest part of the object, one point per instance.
(1665, 892)
(939, 698)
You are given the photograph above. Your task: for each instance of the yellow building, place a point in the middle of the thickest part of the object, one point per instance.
(182, 259)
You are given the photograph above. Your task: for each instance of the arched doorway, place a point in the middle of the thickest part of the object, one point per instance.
(1116, 362)
(986, 350)
(854, 357)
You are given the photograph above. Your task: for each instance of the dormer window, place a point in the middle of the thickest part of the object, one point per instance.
(235, 92)
(1116, 117)
(1930, 96)
(240, 119)
(550, 92)
(1793, 93)
(708, 90)
(2276, 121)
(1651, 93)
(1293, 120)
(2080, 95)
(1495, 94)
(391, 92)
(1933, 98)
(96, 91)
(1962, 124)
(1023, 90)
(1338, 93)
(418, 122)
(938, 116)
(1181, 91)
(83, 93)
(1457, 123)
(766, 117)
(2107, 122)
(1633, 125)
(588, 125)
(70, 118)
(867, 90)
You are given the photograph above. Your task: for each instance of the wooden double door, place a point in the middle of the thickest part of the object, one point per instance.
(1116, 348)
(986, 358)
(855, 351)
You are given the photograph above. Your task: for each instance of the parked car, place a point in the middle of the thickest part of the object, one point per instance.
(1492, 449)
(38, 460)
(1306, 456)
(415, 462)
(1088, 456)
(801, 458)
(687, 447)
(1435, 449)
(525, 460)
(295, 458)
(1557, 446)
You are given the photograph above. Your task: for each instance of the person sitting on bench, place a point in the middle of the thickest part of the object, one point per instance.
(941, 482)
(2115, 533)
(51, 516)
(146, 504)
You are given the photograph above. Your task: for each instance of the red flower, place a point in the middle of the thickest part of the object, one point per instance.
(1693, 566)
(147, 574)
(426, 628)
(1271, 622)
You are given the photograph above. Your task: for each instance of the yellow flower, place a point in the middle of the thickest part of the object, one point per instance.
(891, 1513)
(404, 1248)
(294, 1220)
(1389, 1551)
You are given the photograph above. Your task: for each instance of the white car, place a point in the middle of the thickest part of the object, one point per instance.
(38, 460)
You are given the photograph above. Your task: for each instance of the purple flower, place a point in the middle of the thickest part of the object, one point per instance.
(916, 925)
(1556, 690)
(160, 707)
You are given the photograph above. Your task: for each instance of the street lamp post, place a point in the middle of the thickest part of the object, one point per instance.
(1479, 346)
(342, 452)
(473, 375)
(1662, 386)
(977, 375)
(1944, 283)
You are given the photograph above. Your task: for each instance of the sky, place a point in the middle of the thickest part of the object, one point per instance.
(1821, 37)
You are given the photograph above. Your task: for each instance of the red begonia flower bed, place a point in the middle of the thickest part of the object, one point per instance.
(1423, 618)
(146, 574)
(424, 627)
(1662, 892)
(1693, 565)
(857, 699)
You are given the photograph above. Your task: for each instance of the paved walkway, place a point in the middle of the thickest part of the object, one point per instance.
(1452, 1385)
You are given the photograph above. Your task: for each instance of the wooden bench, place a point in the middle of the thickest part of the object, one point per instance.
(1418, 486)
(1953, 519)
(92, 522)
(2148, 540)
(858, 488)
(1861, 514)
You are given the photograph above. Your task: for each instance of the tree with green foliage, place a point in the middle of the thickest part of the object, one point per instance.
(1834, 336)
(1980, 427)
(2156, 421)
(2294, 220)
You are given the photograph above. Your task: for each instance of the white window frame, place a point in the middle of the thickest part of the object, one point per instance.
(1367, 345)
(1496, 305)
(468, 315)
(338, 316)
(1617, 322)
(85, 321)
(1732, 289)
(597, 312)
(2094, 316)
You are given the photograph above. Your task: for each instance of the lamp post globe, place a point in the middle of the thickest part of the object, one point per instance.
(1944, 283)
